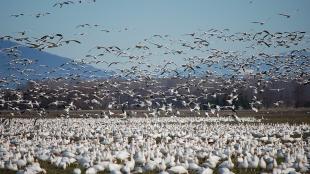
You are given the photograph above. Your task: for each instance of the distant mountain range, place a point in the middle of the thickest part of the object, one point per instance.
(32, 64)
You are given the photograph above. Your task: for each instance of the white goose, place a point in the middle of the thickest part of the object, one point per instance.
(227, 164)
(178, 170)
(262, 163)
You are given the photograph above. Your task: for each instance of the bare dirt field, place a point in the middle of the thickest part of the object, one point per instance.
(290, 115)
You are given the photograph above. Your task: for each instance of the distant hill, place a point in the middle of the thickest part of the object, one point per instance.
(32, 64)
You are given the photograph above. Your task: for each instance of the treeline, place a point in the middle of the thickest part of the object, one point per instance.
(136, 94)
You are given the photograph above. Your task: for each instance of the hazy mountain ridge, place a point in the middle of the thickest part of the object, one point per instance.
(33, 64)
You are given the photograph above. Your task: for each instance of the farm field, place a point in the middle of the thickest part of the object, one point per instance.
(283, 115)
(154, 145)
(154, 87)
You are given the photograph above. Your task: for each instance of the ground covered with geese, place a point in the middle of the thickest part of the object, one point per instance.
(153, 145)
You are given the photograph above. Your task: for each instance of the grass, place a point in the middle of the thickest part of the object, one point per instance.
(280, 160)
(6, 171)
(51, 169)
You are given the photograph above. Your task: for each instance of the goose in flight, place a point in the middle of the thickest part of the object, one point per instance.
(82, 25)
(258, 22)
(17, 15)
(105, 30)
(139, 46)
(277, 89)
(113, 63)
(264, 42)
(190, 34)
(63, 3)
(68, 41)
(285, 15)
(236, 118)
(22, 33)
(38, 15)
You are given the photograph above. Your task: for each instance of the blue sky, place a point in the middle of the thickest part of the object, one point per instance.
(144, 18)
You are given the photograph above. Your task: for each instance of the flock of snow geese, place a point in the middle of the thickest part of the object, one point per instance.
(155, 145)
(191, 76)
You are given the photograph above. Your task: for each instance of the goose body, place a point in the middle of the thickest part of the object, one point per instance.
(178, 170)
